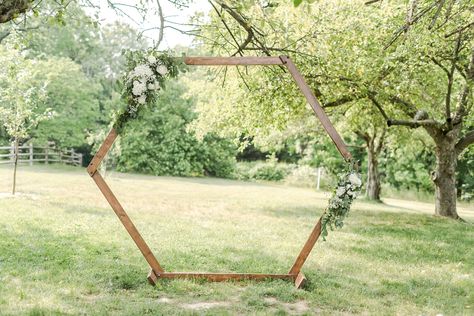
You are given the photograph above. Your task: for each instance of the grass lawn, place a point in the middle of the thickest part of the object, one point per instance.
(63, 251)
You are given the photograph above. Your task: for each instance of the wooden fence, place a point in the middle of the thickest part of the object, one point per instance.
(30, 154)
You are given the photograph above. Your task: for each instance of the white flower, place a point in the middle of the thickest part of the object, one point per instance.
(151, 59)
(138, 87)
(162, 70)
(141, 99)
(340, 191)
(154, 86)
(143, 71)
(132, 109)
(355, 180)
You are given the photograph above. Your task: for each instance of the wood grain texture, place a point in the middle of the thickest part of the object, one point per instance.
(127, 222)
(219, 277)
(229, 61)
(102, 152)
(308, 246)
(318, 110)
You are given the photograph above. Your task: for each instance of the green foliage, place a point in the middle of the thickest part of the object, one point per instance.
(465, 175)
(21, 95)
(341, 49)
(73, 100)
(408, 167)
(262, 170)
(158, 141)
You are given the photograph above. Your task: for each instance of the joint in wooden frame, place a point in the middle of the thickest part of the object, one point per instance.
(152, 277)
(300, 280)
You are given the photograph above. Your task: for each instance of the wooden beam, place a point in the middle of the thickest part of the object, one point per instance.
(127, 223)
(102, 152)
(232, 61)
(318, 110)
(152, 277)
(308, 246)
(219, 277)
(300, 280)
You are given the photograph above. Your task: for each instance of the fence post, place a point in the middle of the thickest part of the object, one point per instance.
(80, 160)
(31, 154)
(46, 153)
(72, 156)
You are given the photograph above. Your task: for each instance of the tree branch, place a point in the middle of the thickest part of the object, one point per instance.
(379, 107)
(162, 24)
(465, 141)
(362, 135)
(450, 74)
(239, 19)
(415, 123)
(10, 9)
(341, 101)
(409, 108)
(4, 35)
(461, 110)
(460, 29)
(239, 50)
(381, 141)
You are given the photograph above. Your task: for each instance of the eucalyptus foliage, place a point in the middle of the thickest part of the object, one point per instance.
(347, 189)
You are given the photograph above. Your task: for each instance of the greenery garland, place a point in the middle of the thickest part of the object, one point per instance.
(347, 189)
(146, 74)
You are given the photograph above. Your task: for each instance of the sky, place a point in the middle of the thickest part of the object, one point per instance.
(170, 11)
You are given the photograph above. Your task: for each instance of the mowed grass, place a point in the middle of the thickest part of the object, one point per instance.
(63, 251)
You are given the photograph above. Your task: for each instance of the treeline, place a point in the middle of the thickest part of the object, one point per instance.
(207, 122)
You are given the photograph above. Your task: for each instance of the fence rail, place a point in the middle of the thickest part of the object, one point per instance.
(30, 154)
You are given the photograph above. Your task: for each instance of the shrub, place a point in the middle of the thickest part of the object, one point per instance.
(158, 142)
(303, 175)
(266, 171)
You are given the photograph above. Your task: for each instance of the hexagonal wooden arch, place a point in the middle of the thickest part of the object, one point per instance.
(156, 271)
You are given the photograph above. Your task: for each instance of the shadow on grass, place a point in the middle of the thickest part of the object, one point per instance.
(412, 238)
(41, 255)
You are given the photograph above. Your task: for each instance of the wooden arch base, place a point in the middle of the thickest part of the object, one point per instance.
(156, 271)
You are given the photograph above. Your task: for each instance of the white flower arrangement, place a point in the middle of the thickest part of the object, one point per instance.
(348, 188)
(147, 72)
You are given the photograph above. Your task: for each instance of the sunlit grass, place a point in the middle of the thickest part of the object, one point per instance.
(62, 250)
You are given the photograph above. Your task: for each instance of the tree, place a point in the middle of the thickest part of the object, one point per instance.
(435, 94)
(19, 100)
(374, 134)
(74, 100)
(347, 53)
(85, 92)
(159, 143)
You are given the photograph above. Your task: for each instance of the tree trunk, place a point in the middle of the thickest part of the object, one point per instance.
(15, 165)
(373, 176)
(444, 178)
(374, 144)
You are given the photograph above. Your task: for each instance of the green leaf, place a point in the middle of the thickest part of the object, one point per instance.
(297, 2)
